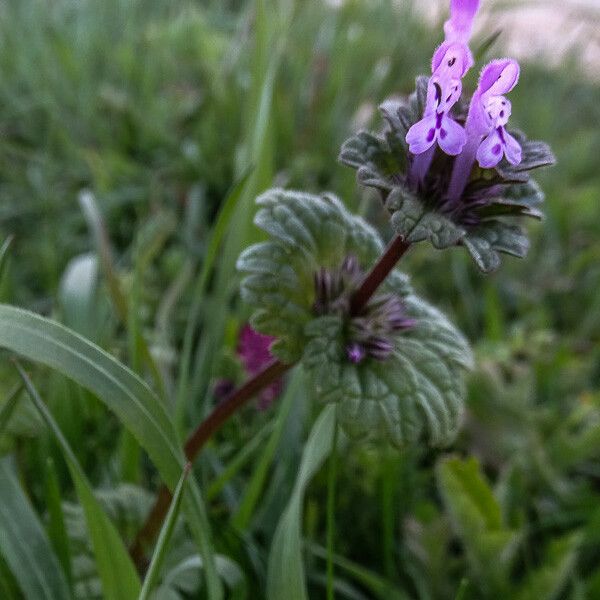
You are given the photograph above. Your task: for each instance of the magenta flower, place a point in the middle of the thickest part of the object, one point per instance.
(253, 351)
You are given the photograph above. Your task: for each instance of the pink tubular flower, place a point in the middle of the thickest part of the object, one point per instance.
(449, 65)
(489, 111)
(253, 351)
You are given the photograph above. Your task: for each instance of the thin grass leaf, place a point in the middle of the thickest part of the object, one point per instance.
(4, 254)
(9, 406)
(162, 544)
(56, 521)
(119, 300)
(117, 572)
(285, 575)
(238, 462)
(255, 485)
(378, 585)
(216, 239)
(24, 545)
(139, 409)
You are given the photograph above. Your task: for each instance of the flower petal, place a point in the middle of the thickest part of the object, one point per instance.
(460, 24)
(421, 136)
(452, 137)
(449, 50)
(490, 151)
(498, 77)
(512, 149)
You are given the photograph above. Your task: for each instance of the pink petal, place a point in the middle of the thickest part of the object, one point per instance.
(512, 149)
(421, 136)
(490, 151)
(452, 137)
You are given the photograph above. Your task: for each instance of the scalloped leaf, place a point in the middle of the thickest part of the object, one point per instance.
(414, 221)
(371, 157)
(486, 241)
(307, 232)
(417, 393)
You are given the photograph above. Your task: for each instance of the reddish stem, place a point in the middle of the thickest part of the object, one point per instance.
(246, 392)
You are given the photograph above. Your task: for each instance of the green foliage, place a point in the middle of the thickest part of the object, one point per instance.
(117, 572)
(417, 392)
(285, 577)
(477, 518)
(47, 342)
(24, 544)
(155, 109)
(308, 232)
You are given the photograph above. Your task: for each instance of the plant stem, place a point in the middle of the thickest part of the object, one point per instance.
(194, 443)
(375, 277)
(331, 480)
(246, 392)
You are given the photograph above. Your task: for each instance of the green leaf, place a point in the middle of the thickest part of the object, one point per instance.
(24, 545)
(8, 406)
(486, 241)
(372, 159)
(56, 522)
(285, 576)
(4, 254)
(140, 410)
(547, 581)
(117, 572)
(535, 154)
(78, 296)
(416, 393)
(183, 580)
(163, 539)
(476, 518)
(308, 232)
(416, 222)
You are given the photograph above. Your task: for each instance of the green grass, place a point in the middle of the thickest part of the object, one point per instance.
(174, 115)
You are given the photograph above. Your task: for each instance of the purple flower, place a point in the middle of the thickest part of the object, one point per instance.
(437, 125)
(253, 351)
(489, 111)
(355, 352)
(449, 65)
(459, 26)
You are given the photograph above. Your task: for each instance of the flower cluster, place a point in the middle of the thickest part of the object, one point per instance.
(394, 367)
(450, 171)
(370, 333)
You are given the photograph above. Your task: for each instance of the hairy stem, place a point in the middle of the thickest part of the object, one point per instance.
(246, 392)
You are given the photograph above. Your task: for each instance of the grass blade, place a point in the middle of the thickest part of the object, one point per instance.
(117, 572)
(56, 521)
(9, 406)
(164, 537)
(285, 576)
(24, 544)
(139, 409)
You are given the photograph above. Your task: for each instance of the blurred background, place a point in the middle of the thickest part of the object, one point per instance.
(125, 125)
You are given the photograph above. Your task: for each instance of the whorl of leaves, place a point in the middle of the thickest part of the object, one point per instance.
(483, 221)
(417, 392)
